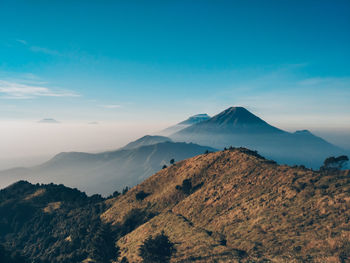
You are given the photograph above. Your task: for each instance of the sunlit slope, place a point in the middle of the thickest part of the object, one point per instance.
(241, 207)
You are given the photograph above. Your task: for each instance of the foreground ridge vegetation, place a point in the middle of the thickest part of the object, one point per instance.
(237, 206)
(228, 206)
(53, 223)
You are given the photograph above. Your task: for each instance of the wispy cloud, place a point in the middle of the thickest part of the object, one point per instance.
(329, 83)
(22, 41)
(45, 51)
(39, 49)
(17, 90)
(111, 106)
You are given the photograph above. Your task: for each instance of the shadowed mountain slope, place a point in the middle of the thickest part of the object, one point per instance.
(49, 223)
(238, 127)
(105, 172)
(240, 207)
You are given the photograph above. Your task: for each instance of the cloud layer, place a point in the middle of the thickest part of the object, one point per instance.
(111, 106)
(17, 90)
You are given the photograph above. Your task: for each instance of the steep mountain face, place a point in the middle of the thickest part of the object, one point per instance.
(186, 123)
(237, 126)
(239, 207)
(105, 172)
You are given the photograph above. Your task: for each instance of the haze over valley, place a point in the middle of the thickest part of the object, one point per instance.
(107, 171)
(28, 143)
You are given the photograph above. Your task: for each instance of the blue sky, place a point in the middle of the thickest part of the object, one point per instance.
(287, 61)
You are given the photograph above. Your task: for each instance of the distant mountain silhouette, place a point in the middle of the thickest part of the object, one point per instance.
(48, 120)
(186, 123)
(146, 140)
(237, 126)
(106, 172)
(195, 119)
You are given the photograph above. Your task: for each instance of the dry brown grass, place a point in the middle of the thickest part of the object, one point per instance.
(35, 194)
(272, 212)
(52, 207)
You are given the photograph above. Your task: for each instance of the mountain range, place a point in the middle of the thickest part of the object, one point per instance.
(236, 126)
(227, 206)
(106, 172)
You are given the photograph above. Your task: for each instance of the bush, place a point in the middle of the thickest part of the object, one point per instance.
(134, 218)
(125, 190)
(334, 163)
(157, 250)
(103, 245)
(251, 152)
(186, 186)
(141, 195)
(116, 193)
(178, 187)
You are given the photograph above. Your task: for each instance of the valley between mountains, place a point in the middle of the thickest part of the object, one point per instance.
(105, 172)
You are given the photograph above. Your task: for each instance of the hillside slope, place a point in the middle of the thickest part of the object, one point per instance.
(240, 207)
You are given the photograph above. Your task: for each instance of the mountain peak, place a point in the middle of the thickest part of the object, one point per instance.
(303, 132)
(231, 120)
(200, 115)
(235, 109)
(237, 116)
(233, 126)
(195, 119)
